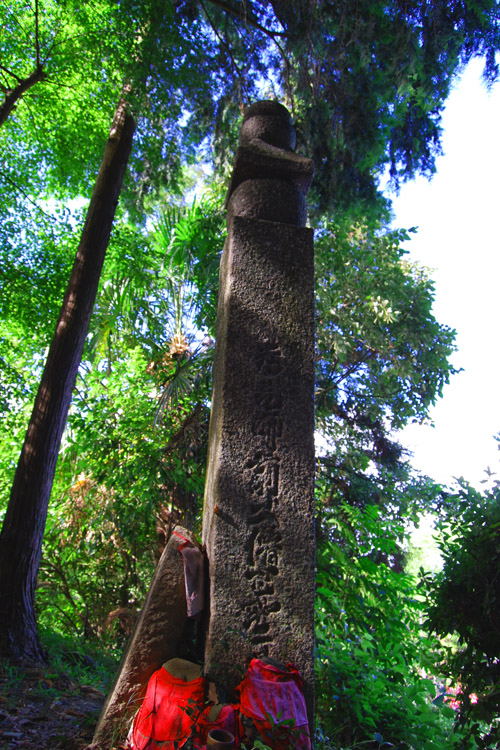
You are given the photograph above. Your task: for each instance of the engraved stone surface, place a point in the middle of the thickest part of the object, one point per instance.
(156, 638)
(258, 524)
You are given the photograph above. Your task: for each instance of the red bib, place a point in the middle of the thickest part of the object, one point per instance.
(169, 714)
(270, 696)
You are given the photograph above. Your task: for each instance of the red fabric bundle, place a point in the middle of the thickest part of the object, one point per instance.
(170, 713)
(271, 696)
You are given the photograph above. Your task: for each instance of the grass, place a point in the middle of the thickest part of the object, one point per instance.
(82, 662)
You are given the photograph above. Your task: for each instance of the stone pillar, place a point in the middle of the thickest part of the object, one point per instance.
(258, 524)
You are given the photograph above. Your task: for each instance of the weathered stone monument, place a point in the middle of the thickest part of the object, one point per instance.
(258, 516)
(157, 637)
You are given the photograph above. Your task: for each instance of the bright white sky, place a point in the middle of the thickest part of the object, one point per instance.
(458, 216)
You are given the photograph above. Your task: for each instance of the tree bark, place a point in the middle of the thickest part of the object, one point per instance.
(24, 525)
(13, 96)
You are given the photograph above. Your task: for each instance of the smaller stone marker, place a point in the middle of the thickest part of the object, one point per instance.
(156, 638)
(258, 524)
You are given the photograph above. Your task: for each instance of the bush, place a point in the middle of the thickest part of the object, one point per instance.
(464, 600)
(373, 660)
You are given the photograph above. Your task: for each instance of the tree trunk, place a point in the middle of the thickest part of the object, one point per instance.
(23, 528)
(13, 96)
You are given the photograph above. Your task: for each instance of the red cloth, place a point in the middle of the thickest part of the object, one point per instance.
(169, 713)
(268, 691)
(227, 719)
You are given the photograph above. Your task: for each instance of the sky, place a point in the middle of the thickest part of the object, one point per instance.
(458, 218)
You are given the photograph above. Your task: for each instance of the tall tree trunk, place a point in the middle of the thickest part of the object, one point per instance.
(24, 525)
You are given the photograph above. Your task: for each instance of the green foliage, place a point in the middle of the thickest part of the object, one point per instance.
(191, 239)
(101, 523)
(59, 124)
(366, 84)
(366, 81)
(79, 661)
(382, 360)
(72, 664)
(383, 354)
(464, 600)
(373, 660)
(36, 253)
(133, 456)
(92, 54)
(121, 482)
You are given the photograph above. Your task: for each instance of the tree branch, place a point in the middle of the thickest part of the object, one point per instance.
(349, 371)
(247, 19)
(226, 47)
(28, 197)
(57, 568)
(37, 38)
(13, 96)
(10, 73)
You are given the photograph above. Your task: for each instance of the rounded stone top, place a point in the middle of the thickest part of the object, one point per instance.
(269, 122)
(267, 107)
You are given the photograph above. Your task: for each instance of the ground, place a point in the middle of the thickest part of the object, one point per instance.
(46, 710)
